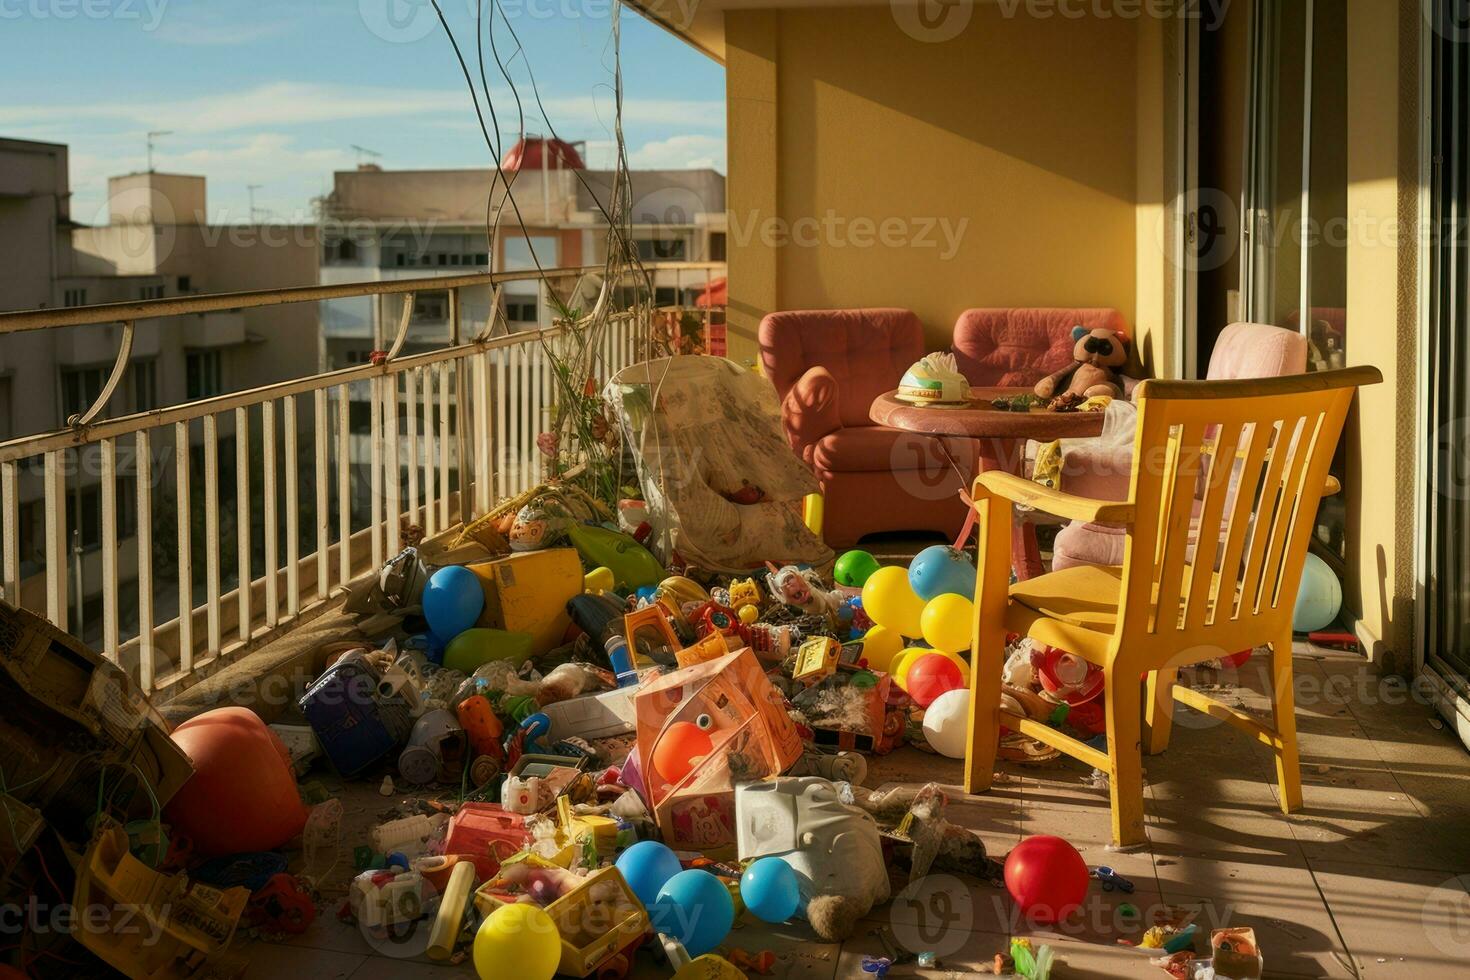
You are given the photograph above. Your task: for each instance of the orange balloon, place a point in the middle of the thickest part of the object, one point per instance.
(679, 747)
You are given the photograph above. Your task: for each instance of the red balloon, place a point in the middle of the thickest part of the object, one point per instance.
(1046, 877)
(242, 796)
(932, 675)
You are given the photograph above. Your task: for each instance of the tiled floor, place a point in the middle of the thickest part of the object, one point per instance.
(1371, 879)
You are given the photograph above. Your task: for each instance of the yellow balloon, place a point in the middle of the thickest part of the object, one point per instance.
(600, 579)
(902, 663)
(889, 601)
(521, 934)
(880, 646)
(947, 621)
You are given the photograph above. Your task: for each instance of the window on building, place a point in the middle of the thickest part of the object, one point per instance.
(717, 246)
(80, 387)
(145, 386)
(482, 258)
(150, 292)
(518, 255)
(662, 249)
(84, 512)
(74, 297)
(185, 284)
(431, 306)
(7, 420)
(520, 310)
(665, 296)
(203, 374)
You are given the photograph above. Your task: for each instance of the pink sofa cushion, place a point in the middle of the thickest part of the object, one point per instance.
(867, 351)
(1019, 347)
(875, 449)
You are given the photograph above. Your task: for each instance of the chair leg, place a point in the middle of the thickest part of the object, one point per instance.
(1125, 756)
(1283, 704)
(984, 712)
(1160, 708)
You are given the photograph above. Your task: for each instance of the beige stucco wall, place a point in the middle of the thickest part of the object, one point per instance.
(1383, 317)
(1003, 164)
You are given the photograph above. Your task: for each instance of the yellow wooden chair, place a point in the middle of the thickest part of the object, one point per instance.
(1178, 598)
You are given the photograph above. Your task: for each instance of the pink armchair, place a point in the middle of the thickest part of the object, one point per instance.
(1243, 350)
(828, 366)
(1022, 346)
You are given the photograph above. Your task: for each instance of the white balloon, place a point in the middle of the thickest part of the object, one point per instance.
(946, 723)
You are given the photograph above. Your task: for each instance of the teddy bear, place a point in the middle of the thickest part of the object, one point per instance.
(1097, 355)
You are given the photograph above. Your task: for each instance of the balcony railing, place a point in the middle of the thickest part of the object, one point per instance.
(242, 514)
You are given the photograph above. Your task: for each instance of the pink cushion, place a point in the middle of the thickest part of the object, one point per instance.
(874, 449)
(1019, 347)
(1255, 350)
(867, 351)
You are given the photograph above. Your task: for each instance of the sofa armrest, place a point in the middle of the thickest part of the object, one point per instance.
(810, 409)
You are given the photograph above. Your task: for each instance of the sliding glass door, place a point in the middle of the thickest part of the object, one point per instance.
(1294, 272)
(1447, 565)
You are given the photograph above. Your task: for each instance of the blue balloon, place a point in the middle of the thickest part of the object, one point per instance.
(940, 570)
(1319, 599)
(770, 890)
(646, 867)
(453, 600)
(695, 908)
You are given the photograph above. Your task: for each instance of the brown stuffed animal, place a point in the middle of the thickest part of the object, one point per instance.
(1094, 371)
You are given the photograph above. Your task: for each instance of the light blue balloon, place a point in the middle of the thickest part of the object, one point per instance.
(646, 867)
(770, 890)
(1319, 599)
(695, 908)
(940, 570)
(453, 600)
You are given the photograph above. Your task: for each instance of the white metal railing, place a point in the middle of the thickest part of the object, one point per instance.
(317, 493)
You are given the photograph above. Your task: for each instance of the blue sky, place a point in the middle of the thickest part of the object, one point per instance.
(276, 92)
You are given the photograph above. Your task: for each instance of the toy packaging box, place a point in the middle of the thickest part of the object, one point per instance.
(750, 732)
(528, 593)
(863, 719)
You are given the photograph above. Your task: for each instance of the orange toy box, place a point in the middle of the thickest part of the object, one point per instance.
(701, 730)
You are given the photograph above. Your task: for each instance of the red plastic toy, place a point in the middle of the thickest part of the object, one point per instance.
(1046, 877)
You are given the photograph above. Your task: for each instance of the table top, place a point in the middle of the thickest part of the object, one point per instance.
(980, 419)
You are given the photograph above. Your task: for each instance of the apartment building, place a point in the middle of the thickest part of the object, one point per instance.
(403, 224)
(157, 243)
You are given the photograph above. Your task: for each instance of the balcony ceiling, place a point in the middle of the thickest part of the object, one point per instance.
(702, 22)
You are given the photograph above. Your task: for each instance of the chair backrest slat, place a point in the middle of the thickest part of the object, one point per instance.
(1226, 479)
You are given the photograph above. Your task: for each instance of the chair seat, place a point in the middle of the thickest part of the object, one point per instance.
(1085, 596)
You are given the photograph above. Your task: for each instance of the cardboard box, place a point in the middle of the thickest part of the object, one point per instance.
(528, 593)
(752, 737)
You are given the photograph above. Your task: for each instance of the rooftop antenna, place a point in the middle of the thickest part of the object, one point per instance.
(251, 189)
(153, 134)
(364, 155)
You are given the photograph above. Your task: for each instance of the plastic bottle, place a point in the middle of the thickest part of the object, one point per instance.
(622, 661)
(407, 834)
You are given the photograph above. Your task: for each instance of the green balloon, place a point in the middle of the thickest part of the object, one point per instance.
(477, 646)
(853, 569)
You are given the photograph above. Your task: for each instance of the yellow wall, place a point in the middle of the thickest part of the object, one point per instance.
(861, 157)
(1382, 285)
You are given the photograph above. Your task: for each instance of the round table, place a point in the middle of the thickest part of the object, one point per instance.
(998, 437)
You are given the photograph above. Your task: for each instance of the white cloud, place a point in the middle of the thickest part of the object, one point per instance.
(688, 152)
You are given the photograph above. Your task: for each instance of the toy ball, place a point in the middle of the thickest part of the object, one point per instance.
(695, 908)
(242, 795)
(854, 569)
(453, 600)
(679, 747)
(941, 570)
(946, 723)
(1046, 877)
(930, 676)
(947, 622)
(770, 890)
(521, 934)
(600, 579)
(748, 614)
(646, 867)
(902, 663)
(880, 646)
(1319, 599)
(889, 601)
